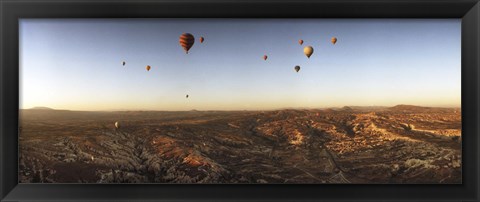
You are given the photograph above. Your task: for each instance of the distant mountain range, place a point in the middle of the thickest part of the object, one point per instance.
(400, 107)
(41, 108)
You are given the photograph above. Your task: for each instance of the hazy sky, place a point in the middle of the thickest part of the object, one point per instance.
(76, 64)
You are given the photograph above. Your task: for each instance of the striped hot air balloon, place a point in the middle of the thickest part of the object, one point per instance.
(186, 41)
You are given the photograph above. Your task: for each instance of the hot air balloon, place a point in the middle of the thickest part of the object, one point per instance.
(265, 57)
(117, 125)
(186, 96)
(201, 39)
(148, 67)
(123, 63)
(186, 41)
(334, 40)
(297, 68)
(300, 42)
(308, 51)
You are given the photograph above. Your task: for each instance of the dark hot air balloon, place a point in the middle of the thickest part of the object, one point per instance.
(201, 39)
(186, 96)
(300, 42)
(265, 57)
(148, 67)
(186, 41)
(123, 63)
(297, 68)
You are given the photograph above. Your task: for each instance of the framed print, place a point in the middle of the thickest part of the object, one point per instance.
(239, 100)
(219, 106)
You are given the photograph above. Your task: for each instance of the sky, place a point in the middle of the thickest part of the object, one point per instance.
(76, 64)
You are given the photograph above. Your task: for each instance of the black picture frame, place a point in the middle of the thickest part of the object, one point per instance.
(12, 10)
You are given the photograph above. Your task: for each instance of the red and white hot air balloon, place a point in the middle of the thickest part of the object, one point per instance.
(186, 41)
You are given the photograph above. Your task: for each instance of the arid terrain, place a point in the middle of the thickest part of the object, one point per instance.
(401, 144)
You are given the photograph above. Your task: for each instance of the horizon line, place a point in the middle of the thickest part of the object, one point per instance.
(286, 108)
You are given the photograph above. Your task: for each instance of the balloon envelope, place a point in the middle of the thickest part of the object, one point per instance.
(186, 41)
(265, 57)
(117, 125)
(308, 51)
(334, 40)
(148, 67)
(300, 42)
(201, 39)
(297, 68)
(123, 63)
